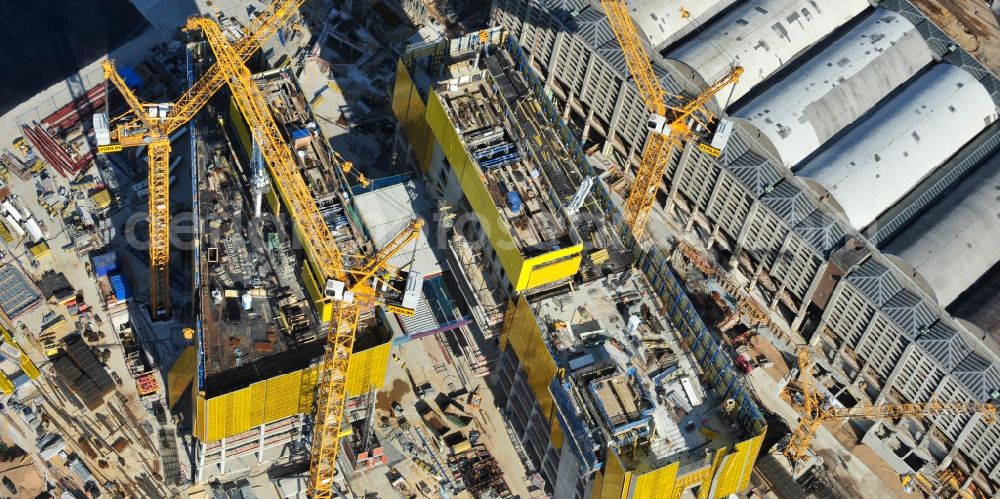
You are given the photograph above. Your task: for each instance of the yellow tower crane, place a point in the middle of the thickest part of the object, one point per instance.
(669, 126)
(151, 124)
(818, 412)
(354, 286)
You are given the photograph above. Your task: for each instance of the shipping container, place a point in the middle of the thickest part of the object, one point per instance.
(104, 263)
(119, 286)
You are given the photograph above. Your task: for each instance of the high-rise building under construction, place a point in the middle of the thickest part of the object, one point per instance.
(839, 201)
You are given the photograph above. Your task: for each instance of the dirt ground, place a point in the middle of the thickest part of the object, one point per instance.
(972, 24)
(24, 474)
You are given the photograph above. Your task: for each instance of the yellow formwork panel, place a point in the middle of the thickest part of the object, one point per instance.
(26, 364)
(41, 250)
(6, 385)
(272, 200)
(262, 402)
(181, 374)
(200, 427)
(240, 125)
(323, 307)
(474, 189)
(101, 199)
(258, 400)
(615, 483)
(657, 484)
(595, 488)
(550, 267)
(366, 369)
(733, 475)
(522, 273)
(520, 332)
(411, 111)
(5, 233)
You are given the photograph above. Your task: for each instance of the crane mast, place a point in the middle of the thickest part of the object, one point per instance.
(816, 413)
(350, 282)
(669, 126)
(152, 125)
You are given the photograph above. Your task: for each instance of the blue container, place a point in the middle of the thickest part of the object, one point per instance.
(104, 263)
(514, 201)
(301, 133)
(118, 285)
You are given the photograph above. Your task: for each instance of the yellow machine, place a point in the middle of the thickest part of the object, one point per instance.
(817, 412)
(354, 285)
(152, 124)
(669, 126)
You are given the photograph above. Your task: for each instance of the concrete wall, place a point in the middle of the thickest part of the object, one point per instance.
(837, 86)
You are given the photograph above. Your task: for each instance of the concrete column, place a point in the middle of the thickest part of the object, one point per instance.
(616, 113)
(222, 457)
(260, 443)
(779, 257)
(777, 296)
(712, 198)
(200, 461)
(895, 374)
(675, 180)
(964, 435)
(588, 73)
(806, 299)
(741, 238)
(569, 104)
(755, 277)
(713, 238)
(930, 422)
(556, 45)
(861, 342)
(838, 289)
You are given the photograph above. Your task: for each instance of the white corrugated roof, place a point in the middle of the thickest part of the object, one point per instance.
(838, 85)
(955, 242)
(881, 158)
(761, 36)
(388, 210)
(664, 21)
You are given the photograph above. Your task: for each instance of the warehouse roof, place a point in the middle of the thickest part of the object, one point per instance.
(388, 210)
(946, 344)
(955, 242)
(838, 85)
(876, 281)
(881, 158)
(761, 36)
(666, 21)
(17, 293)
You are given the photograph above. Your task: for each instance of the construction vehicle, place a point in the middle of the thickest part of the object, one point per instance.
(819, 411)
(354, 284)
(152, 125)
(670, 126)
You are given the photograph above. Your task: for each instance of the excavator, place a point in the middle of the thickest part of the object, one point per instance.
(671, 124)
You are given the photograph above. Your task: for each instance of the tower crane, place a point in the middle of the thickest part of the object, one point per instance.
(354, 285)
(669, 126)
(818, 412)
(151, 124)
